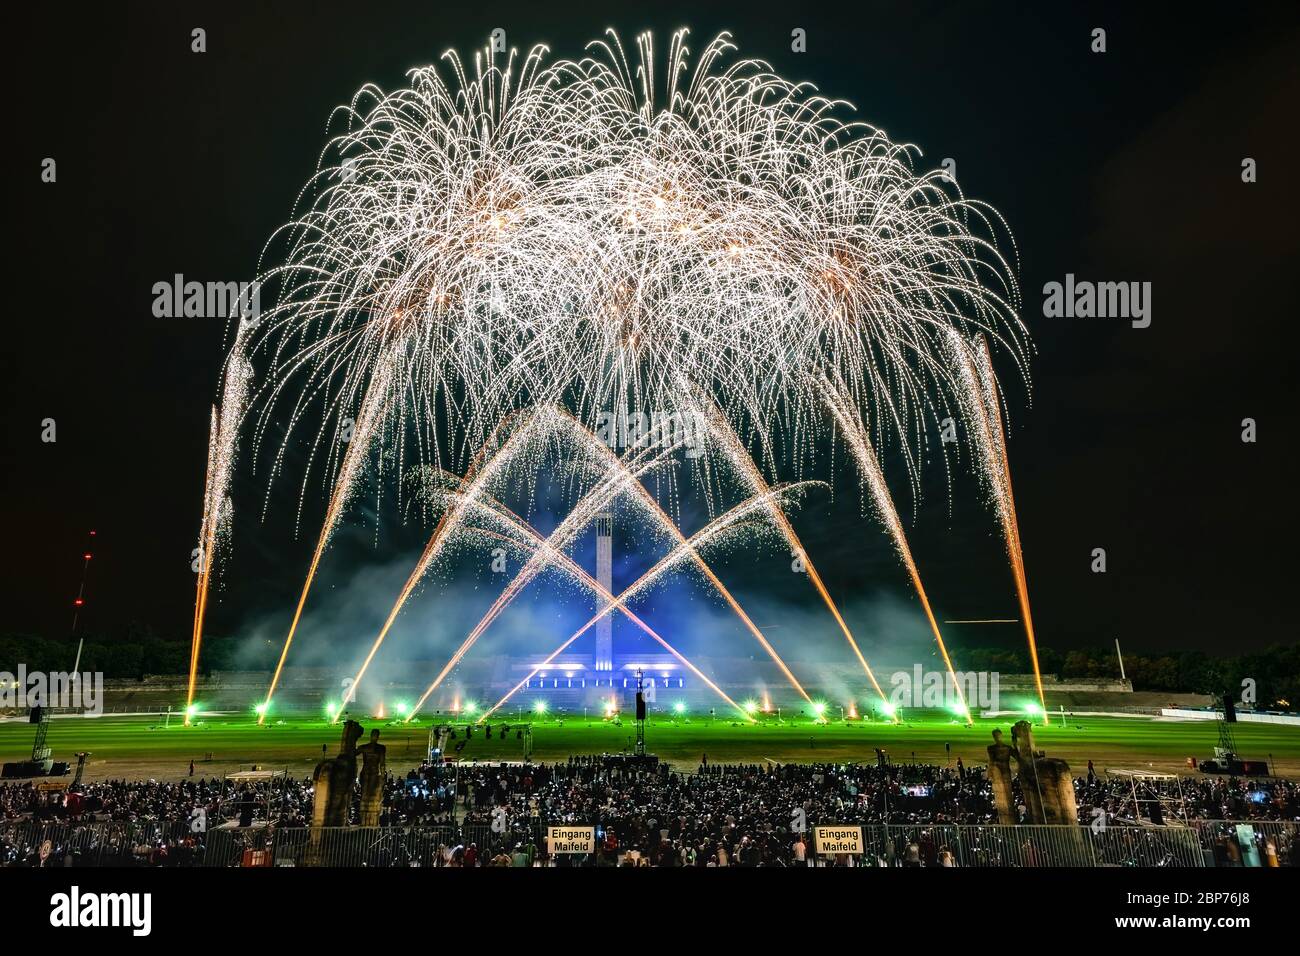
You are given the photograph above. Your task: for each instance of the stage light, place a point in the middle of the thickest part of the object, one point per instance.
(540, 707)
(819, 708)
(679, 707)
(751, 706)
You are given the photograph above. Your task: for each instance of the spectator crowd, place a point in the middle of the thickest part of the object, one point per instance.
(646, 813)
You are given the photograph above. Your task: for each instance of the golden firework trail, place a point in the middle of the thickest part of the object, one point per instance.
(983, 409)
(223, 435)
(470, 488)
(735, 452)
(688, 549)
(369, 419)
(206, 538)
(855, 436)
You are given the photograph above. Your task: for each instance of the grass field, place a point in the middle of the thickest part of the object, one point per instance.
(141, 747)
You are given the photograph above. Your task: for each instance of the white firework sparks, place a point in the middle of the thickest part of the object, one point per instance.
(579, 234)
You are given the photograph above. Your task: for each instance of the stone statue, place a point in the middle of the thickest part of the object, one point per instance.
(333, 779)
(373, 773)
(1000, 779)
(1045, 782)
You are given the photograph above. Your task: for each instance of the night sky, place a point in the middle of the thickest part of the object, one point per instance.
(1122, 166)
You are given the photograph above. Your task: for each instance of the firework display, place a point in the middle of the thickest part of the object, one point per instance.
(481, 266)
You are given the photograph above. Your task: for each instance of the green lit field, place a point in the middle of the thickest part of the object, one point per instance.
(142, 747)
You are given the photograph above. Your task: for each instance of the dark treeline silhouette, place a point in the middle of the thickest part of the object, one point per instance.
(1275, 671)
(137, 651)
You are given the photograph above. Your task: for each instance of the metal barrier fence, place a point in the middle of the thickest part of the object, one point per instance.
(141, 843)
(1249, 842)
(153, 844)
(361, 846)
(990, 846)
(226, 846)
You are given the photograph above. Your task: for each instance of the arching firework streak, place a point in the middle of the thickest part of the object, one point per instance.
(369, 420)
(667, 524)
(532, 538)
(471, 487)
(619, 477)
(855, 436)
(223, 434)
(984, 410)
(726, 436)
(614, 482)
(207, 538)
(470, 495)
(687, 549)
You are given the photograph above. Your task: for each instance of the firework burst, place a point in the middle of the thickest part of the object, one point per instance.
(580, 234)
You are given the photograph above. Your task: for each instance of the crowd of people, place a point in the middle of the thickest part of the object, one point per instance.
(646, 813)
(746, 815)
(1156, 799)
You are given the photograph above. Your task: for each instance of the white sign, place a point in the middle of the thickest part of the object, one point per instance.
(832, 840)
(571, 839)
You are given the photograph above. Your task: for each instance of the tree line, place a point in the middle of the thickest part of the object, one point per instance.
(1272, 675)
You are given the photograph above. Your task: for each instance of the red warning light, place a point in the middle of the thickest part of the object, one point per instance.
(87, 555)
(78, 602)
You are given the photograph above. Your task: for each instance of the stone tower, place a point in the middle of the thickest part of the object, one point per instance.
(604, 575)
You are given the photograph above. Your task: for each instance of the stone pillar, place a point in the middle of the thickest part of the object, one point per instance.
(1045, 781)
(1031, 786)
(605, 577)
(374, 771)
(1058, 791)
(1000, 779)
(332, 788)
